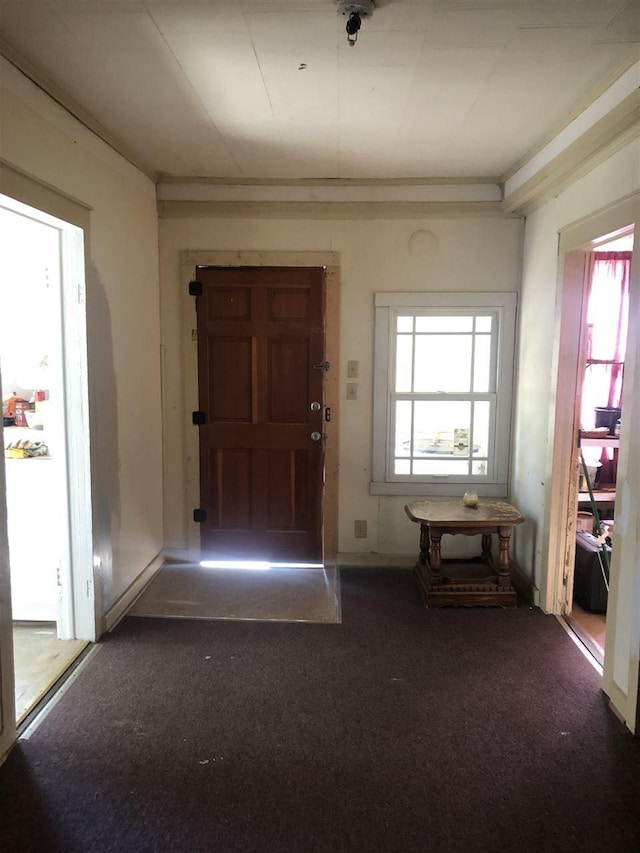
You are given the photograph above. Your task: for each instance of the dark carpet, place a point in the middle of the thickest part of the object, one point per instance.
(399, 730)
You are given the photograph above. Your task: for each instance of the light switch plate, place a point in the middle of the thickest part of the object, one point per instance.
(352, 369)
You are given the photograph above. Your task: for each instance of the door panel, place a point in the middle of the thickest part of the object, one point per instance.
(230, 397)
(288, 362)
(260, 333)
(232, 471)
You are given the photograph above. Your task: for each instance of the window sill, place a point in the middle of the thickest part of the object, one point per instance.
(486, 490)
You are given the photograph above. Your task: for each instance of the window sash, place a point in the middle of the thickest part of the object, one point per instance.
(473, 335)
(388, 306)
(489, 476)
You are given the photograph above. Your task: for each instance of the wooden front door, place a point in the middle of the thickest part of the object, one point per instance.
(260, 377)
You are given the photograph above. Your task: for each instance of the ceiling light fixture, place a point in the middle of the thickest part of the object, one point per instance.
(355, 12)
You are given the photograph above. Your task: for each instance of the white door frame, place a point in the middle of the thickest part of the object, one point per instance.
(7, 679)
(622, 645)
(80, 576)
(78, 618)
(77, 614)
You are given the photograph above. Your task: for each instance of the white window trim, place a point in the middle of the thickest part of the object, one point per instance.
(386, 306)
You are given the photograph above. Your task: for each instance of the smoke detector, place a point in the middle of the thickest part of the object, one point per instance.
(355, 13)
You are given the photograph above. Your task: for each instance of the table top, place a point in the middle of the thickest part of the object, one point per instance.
(451, 512)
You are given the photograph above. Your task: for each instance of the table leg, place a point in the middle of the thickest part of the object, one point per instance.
(423, 559)
(504, 534)
(435, 557)
(486, 548)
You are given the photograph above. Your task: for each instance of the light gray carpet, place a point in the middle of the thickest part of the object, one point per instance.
(189, 591)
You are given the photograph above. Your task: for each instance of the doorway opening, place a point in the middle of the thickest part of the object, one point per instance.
(43, 367)
(598, 420)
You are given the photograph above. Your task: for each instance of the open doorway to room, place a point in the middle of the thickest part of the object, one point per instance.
(598, 415)
(46, 452)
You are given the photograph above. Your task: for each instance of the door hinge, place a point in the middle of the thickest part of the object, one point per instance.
(195, 288)
(198, 418)
(324, 365)
(199, 515)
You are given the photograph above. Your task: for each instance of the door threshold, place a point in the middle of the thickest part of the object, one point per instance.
(592, 646)
(28, 725)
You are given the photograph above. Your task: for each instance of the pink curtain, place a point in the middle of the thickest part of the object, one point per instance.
(607, 316)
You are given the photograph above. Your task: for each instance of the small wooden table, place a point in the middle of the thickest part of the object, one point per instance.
(473, 582)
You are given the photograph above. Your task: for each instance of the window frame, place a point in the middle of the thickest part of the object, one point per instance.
(387, 306)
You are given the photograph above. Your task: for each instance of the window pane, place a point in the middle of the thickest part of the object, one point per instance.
(404, 357)
(435, 425)
(441, 325)
(403, 428)
(482, 364)
(442, 363)
(441, 467)
(440, 415)
(481, 421)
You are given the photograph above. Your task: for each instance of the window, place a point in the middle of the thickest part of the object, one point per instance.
(442, 392)
(607, 319)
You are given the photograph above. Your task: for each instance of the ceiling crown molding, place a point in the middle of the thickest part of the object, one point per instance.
(595, 146)
(58, 94)
(608, 124)
(328, 210)
(331, 192)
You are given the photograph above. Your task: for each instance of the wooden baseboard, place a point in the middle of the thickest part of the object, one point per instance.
(116, 612)
(618, 702)
(524, 586)
(179, 554)
(375, 561)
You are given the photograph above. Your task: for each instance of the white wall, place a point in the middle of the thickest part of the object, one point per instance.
(457, 254)
(538, 332)
(590, 197)
(44, 141)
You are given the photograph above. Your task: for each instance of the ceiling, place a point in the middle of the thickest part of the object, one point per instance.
(270, 89)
